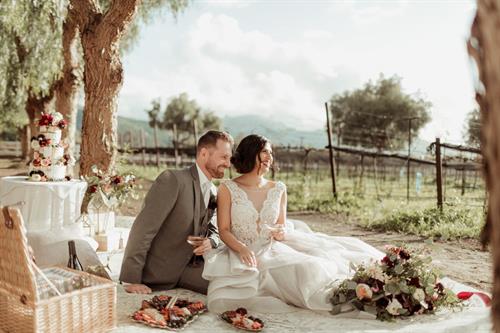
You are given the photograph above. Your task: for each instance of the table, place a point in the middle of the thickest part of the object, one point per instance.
(49, 206)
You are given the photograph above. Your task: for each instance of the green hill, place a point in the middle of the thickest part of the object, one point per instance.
(240, 126)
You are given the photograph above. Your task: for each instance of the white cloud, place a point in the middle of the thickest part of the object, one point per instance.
(236, 72)
(288, 69)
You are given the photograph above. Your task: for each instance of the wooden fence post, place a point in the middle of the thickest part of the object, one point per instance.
(464, 176)
(156, 146)
(330, 149)
(195, 132)
(176, 151)
(439, 175)
(143, 147)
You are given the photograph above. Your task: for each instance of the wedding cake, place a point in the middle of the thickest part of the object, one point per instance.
(49, 160)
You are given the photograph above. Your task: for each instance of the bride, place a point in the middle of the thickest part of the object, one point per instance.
(266, 264)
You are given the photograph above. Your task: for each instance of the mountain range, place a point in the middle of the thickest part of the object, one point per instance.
(240, 126)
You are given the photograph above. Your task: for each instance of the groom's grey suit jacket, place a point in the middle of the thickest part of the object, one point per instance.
(157, 251)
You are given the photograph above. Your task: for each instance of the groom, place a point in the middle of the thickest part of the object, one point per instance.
(179, 204)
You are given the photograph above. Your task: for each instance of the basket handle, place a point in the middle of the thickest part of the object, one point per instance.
(9, 223)
(8, 220)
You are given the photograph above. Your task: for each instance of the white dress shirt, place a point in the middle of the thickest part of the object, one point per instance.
(206, 185)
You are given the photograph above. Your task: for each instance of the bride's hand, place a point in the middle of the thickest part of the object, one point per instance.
(279, 234)
(248, 257)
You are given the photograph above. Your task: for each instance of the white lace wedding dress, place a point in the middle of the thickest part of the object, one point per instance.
(297, 271)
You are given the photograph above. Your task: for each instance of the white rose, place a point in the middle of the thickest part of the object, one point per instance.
(35, 145)
(363, 291)
(36, 177)
(56, 117)
(419, 295)
(375, 271)
(393, 307)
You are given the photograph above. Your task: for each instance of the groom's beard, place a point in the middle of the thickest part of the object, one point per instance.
(216, 171)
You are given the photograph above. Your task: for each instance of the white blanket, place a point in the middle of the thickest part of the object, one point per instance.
(470, 319)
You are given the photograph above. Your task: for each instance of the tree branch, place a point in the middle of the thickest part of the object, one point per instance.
(116, 20)
(84, 12)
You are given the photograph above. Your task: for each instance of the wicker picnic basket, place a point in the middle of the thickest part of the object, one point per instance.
(91, 309)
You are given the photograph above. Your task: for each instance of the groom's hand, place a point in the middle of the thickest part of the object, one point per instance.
(203, 248)
(137, 289)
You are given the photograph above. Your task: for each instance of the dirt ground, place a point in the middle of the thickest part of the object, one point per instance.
(461, 260)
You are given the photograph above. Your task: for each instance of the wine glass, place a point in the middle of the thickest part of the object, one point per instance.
(195, 241)
(276, 228)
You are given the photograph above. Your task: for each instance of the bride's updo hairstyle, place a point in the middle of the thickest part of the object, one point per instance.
(247, 152)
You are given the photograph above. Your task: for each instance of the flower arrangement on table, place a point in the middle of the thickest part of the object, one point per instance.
(401, 284)
(109, 190)
(52, 120)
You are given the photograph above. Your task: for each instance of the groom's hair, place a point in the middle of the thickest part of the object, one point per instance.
(210, 138)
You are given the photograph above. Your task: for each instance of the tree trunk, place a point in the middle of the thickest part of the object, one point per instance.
(360, 186)
(103, 78)
(67, 90)
(484, 47)
(25, 135)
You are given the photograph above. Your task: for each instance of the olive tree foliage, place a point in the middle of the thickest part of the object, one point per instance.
(30, 54)
(377, 115)
(183, 112)
(473, 128)
(147, 12)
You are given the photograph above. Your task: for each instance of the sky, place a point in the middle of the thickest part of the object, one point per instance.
(284, 59)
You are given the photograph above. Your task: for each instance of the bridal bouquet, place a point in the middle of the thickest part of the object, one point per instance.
(110, 190)
(401, 284)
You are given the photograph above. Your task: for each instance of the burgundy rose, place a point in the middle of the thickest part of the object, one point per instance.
(117, 180)
(430, 306)
(439, 287)
(62, 124)
(404, 254)
(93, 188)
(415, 308)
(44, 142)
(414, 281)
(387, 261)
(46, 120)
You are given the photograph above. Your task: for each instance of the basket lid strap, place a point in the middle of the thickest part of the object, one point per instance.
(9, 223)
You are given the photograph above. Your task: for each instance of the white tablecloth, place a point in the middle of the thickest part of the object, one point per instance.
(49, 206)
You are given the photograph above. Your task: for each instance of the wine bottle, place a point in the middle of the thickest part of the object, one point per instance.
(73, 262)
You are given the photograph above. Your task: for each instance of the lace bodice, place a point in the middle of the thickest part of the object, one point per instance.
(248, 224)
